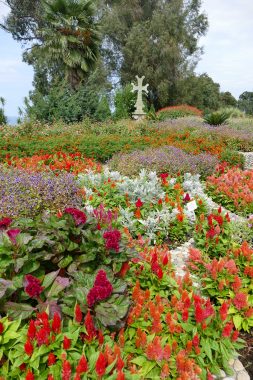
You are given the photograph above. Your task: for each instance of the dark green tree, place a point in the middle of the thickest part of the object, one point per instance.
(245, 102)
(227, 99)
(158, 39)
(199, 91)
(3, 118)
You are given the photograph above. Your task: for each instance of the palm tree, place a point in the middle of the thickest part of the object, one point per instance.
(70, 38)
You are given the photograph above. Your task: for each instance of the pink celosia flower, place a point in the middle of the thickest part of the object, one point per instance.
(78, 215)
(4, 223)
(101, 289)
(32, 286)
(112, 239)
(240, 300)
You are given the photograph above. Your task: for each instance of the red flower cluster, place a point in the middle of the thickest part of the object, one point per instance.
(32, 286)
(101, 290)
(203, 309)
(112, 239)
(240, 301)
(41, 331)
(1, 328)
(155, 267)
(4, 223)
(101, 364)
(139, 203)
(78, 215)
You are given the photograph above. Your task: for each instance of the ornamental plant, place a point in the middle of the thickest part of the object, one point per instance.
(58, 162)
(53, 255)
(213, 233)
(233, 188)
(228, 281)
(174, 112)
(151, 206)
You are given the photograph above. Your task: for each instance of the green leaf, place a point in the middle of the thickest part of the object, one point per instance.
(49, 278)
(237, 319)
(18, 310)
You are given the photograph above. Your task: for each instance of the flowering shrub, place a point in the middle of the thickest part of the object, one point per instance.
(174, 112)
(233, 188)
(29, 194)
(228, 280)
(151, 206)
(213, 233)
(59, 162)
(171, 331)
(80, 258)
(165, 159)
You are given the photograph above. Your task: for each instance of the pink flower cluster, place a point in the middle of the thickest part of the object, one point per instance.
(32, 286)
(112, 239)
(78, 215)
(101, 290)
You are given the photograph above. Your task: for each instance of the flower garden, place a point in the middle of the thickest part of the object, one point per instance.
(89, 288)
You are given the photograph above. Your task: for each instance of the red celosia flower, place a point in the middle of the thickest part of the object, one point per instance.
(32, 286)
(77, 377)
(13, 234)
(101, 290)
(90, 328)
(139, 203)
(82, 366)
(66, 370)
(112, 239)
(165, 371)
(78, 215)
(211, 233)
(66, 343)
(240, 300)
(28, 347)
(1, 327)
(101, 364)
(4, 223)
(51, 359)
(42, 336)
(154, 350)
(248, 313)
(227, 330)
(195, 340)
(164, 175)
(120, 376)
(185, 315)
(100, 337)
(124, 269)
(155, 267)
(29, 375)
(235, 335)
(31, 330)
(56, 324)
(78, 314)
(224, 311)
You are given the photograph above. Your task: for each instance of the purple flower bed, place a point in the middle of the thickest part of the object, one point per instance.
(25, 194)
(164, 159)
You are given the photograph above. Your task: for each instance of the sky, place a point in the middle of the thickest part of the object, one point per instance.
(228, 53)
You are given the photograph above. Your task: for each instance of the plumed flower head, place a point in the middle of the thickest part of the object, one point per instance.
(78, 215)
(13, 234)
(4, 223)
(32, 286)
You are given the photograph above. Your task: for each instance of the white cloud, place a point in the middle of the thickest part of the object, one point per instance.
(228, 49)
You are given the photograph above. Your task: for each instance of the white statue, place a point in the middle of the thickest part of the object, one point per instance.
(139, 112)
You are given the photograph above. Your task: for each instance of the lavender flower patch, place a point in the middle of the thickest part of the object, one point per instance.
(165, 159)
(25, 194)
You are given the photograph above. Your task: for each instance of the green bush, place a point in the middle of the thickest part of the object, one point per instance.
(216, 118)
(233, 112)
(233, 158)
(124, 102)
